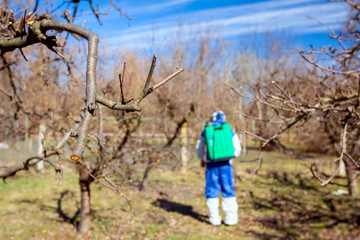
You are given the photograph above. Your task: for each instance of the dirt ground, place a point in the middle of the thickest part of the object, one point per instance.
(283, 201)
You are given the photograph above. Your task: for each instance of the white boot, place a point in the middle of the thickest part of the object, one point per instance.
(230, 208)
(213, 205)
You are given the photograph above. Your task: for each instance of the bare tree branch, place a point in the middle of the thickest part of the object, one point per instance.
(119, 9)
(297, 119)
(151, 71)
(302, 54)
(256, 169)
(156, 86)
(135, 106)
(109, 184)
(10, 171)
(121, 80)
(101, 139)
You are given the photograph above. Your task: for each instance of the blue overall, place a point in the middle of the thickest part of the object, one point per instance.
(219, 176)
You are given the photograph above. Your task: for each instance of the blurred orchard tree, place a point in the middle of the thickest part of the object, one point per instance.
(320, 102)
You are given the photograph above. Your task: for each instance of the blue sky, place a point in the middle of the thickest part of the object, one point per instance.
(234, 20)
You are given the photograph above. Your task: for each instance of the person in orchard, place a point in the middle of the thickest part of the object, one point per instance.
(217, 146)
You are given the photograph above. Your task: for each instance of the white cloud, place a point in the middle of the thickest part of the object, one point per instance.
(157, 7)
(241, 19)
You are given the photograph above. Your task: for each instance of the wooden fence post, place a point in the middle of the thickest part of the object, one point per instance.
(184, 155)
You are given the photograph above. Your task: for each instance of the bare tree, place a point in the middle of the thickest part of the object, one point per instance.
(328, 104)
(15, 36)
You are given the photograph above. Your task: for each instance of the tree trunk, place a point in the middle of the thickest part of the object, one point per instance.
(184, 154)
(144, 182)
(351, 177)
(260, 126)
(41, 145)
(242, 124)
(85, 220)
(17, 126)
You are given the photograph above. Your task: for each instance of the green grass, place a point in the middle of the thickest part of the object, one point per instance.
(282, 201)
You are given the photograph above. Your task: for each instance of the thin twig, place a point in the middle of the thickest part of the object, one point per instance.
(258, 119)
(119, 9)
(327, 69)
(253, 135)
(282, 91)
(113, 187)
(96, 13)
(33, 15)
(256, 169)
(156, 86)
(151, 71)
(121, 79)
(332, 176)
(297, 119)
(340, 159)
(22, 53)
(330, 30)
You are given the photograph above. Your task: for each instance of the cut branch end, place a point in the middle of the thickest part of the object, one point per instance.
(75, 157)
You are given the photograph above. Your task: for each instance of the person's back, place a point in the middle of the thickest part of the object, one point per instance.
(219, 171)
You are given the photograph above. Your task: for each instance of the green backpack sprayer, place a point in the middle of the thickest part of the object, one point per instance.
(219, 142)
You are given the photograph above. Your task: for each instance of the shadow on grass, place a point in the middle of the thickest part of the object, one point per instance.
(63, 216)
(186, 210)
(266, 236)
(292, 213)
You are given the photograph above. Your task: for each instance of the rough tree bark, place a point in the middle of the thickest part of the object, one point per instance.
(38, 26)
(351, 176)
(85, 212)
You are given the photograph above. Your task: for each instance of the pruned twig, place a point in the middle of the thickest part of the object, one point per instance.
(109, 184)
(121, 80)
(256, 169)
